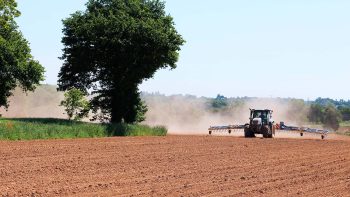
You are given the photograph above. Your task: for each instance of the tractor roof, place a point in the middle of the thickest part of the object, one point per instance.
(268, 110)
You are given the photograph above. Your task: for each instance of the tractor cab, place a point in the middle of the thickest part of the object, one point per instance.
(264, 117)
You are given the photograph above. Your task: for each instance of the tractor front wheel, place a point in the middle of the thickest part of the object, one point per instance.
(248, 133)
(267, 132)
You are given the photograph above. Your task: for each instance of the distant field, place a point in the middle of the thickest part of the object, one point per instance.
(344, 131)
(44, 128)
(345, 124)
(344, 128)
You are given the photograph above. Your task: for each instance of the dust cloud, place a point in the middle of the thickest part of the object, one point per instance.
(42, 103)
(191, 115)
(181, 114)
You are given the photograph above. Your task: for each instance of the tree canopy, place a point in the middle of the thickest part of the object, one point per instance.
(112, 47)
(8, 12)
(332, 117)
(328, 115)
(17, 65)
(220, 102)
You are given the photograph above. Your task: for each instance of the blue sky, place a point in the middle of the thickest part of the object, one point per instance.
(269, 48)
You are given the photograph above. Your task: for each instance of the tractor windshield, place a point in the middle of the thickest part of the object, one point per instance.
(260, 114)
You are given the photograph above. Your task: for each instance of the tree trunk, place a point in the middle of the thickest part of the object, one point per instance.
(124, 105)
(116, 107)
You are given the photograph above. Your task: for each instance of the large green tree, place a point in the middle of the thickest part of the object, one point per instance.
(332, 117)
(316, 113)
(112, 47)
(17, 66)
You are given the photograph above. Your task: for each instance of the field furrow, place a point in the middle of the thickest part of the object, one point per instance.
(175, 166)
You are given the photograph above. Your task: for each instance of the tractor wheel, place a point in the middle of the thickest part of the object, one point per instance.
(209, 132)
(248, 133)
(229, 131)
(301, 134)
(322, 137)
(267, 132)
(265, 135)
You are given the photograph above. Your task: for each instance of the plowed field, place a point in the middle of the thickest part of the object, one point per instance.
(176, 166)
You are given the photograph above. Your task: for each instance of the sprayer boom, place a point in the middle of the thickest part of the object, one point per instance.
(303, 130)
(228, 128)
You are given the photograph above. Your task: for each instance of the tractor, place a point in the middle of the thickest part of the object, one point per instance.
(261, 122)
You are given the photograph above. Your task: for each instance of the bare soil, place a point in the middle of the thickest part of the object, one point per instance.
(176, 166)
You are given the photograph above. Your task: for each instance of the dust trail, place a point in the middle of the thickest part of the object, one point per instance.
(191, 115)
(42, 103)
(181, 114)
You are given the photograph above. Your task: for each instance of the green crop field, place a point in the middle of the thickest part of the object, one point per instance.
(36, 128)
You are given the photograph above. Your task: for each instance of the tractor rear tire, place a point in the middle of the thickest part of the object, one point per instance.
(248, 133)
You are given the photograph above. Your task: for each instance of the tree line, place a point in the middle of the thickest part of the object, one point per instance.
(342, 106)
(328, 112)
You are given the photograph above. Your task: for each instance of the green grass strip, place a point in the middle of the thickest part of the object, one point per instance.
(46, 128)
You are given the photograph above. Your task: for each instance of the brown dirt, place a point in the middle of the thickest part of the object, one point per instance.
(176, 166)
(344, 130)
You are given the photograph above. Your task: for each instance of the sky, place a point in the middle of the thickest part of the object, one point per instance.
(270, 48)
